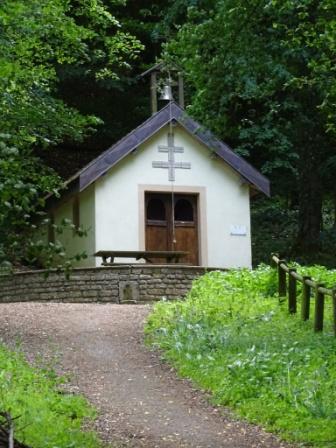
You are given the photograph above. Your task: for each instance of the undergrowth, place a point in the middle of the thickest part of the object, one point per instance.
(233, 338)
(44, 416)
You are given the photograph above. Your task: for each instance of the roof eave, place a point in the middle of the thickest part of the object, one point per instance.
(262, 183)
(146, 130)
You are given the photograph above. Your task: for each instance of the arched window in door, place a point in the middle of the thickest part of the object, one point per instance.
(156, 210)
(184, 210)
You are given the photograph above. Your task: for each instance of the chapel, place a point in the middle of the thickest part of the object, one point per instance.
(168, 185)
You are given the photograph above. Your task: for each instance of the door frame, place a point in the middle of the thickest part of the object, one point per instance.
(200, 192)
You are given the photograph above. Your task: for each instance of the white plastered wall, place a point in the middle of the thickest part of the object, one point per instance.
(224, 201)
(75, 244)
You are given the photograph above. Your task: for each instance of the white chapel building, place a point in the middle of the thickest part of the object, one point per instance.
(169, 185)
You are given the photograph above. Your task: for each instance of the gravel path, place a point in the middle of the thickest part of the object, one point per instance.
(140, 401)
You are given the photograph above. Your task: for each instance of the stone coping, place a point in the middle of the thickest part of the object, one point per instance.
(116, 266)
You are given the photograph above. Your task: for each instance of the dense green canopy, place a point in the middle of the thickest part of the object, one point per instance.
(263, 77)
(259, 73)
(39, 41)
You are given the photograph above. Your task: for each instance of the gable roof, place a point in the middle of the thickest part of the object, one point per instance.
(99, 166)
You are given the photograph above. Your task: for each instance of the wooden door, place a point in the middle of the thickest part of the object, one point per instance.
(185, 226)
(171, 224)
(157, 223)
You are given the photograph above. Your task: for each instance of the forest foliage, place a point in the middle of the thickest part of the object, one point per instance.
(263, 78)
(40, 42)
(259, 73)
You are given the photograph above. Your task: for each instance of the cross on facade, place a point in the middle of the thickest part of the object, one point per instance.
(171, 165)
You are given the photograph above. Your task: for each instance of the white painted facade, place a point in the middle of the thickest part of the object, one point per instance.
(75, 244)
(113, 207)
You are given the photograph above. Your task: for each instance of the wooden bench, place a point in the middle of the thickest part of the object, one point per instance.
(171, 256)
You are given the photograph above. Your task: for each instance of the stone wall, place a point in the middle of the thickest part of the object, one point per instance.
(120, 284)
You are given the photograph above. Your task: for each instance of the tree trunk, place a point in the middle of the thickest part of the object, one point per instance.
(310, 210)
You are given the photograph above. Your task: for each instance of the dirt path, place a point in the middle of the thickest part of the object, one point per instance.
(141, 403)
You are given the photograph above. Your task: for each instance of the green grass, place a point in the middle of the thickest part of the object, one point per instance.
(233, 338)
(45, 417)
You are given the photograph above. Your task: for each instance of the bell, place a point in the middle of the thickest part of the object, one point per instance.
(166, 93)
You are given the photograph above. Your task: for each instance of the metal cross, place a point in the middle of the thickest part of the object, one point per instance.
(171, 165)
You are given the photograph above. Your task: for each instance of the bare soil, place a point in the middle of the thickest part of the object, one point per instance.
(140, 400)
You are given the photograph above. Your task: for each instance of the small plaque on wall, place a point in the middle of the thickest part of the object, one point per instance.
(238, 230)
(128, 292)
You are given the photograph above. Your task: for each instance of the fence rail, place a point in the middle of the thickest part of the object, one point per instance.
(310, 287)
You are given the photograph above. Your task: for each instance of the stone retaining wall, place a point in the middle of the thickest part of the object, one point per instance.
(121, 284)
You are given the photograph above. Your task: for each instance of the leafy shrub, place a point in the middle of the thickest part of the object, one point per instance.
(24, 185)
(45, 417)
(233, 338)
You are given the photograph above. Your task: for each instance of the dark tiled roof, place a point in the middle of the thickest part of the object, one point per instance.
(131, 141)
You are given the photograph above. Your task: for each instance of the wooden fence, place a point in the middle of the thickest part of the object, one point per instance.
(310, 288)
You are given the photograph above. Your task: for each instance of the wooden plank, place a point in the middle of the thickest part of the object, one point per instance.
(186, 227)
(186, 238)
(292, 291)
(169, 256)
(334, 309)
(157, 235)
(312, 283)
(297, 276)
(134, 253)
(325, 291)
(275, 258)
(284, 266)
(306, 292)
(319, 309)
(157, 238)
(282, 286)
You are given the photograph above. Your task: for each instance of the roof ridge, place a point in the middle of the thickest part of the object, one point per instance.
(120, 149)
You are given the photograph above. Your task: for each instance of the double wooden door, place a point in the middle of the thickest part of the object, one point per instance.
(171, 224)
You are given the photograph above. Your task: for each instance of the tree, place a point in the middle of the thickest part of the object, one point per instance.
(80, 89)
(262, 75)
(38, 41)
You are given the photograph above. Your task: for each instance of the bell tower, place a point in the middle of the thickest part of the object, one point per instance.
(168, 81)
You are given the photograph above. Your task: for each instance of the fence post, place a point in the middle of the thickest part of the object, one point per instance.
(282, 287)
(291, 292)
(319, 308)
(334, 309)
(305, 305)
